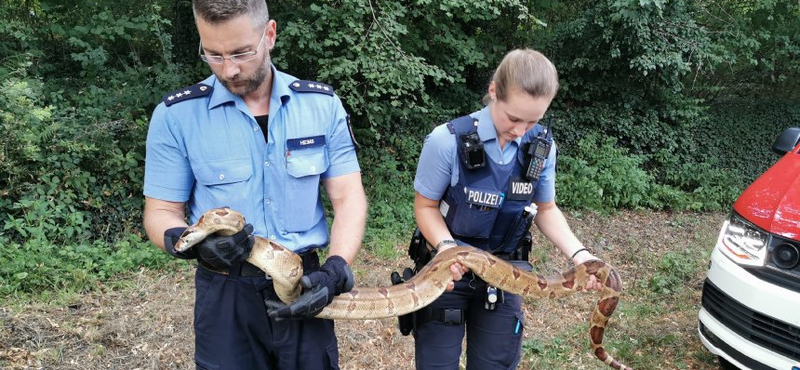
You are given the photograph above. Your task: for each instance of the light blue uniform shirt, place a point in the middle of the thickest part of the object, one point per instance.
(210, 152)
(438, 167)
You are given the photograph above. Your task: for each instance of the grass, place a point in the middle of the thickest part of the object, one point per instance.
(662, 261)
(143, 319)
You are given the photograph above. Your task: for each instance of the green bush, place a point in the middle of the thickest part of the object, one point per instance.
(739, 133)
(623, 65)
(388, 180)
(76, 87)
(707, 187)
(74, 104)
(67, 178)
(655, 109)
(38, 265)
(601, 176)
(674, 271)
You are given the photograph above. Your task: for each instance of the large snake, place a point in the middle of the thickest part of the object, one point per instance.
(286, 268)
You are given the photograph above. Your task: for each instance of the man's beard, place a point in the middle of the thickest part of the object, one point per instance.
(247, 85)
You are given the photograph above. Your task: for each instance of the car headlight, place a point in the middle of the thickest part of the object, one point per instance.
(743, 242)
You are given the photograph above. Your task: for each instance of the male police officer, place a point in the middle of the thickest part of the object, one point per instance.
(259, 141)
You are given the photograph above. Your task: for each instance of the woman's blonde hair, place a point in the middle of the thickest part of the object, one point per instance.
(527, 70)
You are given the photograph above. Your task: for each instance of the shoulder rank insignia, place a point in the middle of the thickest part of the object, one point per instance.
(311, 86)
(194, 91)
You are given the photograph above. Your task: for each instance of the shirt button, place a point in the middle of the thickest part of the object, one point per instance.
(221, 176)
(266, 164)
(255, 128)
(272, 237)
(313, 168)
(268, 201)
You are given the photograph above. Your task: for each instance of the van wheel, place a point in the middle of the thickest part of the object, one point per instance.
(723, 363)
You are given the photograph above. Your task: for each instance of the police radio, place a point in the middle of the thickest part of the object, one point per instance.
(472, 148)
(538, 150)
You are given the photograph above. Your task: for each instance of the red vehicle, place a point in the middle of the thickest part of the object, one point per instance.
(750, 313)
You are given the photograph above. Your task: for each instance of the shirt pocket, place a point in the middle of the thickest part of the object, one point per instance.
(224, 182)
(304, 167)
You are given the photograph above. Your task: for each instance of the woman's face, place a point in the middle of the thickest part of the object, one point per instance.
(517, 114)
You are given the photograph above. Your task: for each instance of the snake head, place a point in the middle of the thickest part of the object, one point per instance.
(223, 221)
(188, 238)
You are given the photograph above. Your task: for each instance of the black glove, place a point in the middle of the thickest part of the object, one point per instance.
(222, 252)
(218, 251)
(171, 237)
(319, 287)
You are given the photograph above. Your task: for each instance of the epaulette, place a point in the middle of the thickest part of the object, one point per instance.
(194, 91)
(311, 86)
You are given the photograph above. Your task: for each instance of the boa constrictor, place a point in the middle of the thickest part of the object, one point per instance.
(285, 267)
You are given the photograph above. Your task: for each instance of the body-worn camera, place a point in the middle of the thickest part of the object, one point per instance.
(472, 147)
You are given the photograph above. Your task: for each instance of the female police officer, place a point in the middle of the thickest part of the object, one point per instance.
(476, 176)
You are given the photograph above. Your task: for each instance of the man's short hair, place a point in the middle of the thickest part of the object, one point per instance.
(218, 11)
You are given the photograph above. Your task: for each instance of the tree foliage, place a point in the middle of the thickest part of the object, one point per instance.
(660, 86)
(401, 67)
(760, 43)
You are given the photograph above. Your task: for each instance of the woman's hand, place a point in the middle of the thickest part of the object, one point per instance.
(581, 257)
(433, 227)
(457, 269)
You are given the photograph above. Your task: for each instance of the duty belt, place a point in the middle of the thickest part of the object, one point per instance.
(246, 269)
(452, 316)
(514, 260)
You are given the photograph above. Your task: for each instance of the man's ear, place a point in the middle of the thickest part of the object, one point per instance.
(272, 33)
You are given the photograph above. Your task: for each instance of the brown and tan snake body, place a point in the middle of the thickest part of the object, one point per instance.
(285, 268)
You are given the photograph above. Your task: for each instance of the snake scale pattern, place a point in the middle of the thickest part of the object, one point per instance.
(285, 268)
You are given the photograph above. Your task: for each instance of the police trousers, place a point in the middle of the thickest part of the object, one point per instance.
(494, 338)
(234, 332)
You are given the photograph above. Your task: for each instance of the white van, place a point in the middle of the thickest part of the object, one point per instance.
(750, 313)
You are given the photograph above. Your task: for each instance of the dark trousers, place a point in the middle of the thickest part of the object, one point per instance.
(494, 338)
(234, 332)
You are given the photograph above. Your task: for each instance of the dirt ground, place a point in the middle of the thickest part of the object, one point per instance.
(144, 320)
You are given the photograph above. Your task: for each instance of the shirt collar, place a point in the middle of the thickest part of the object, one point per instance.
(221, 95)
(486, 129)
(280, 87)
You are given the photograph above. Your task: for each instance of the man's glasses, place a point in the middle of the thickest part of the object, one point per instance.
(236, 58)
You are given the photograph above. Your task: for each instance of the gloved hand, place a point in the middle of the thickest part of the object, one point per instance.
(222, 252)
(218, 251)
(171, 237)
(319, 287)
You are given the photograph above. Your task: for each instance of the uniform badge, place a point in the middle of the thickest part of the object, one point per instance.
(304, 86)
(305, 142)
(191, 92)
(484, 198)
(519, 189)
(352, 134)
